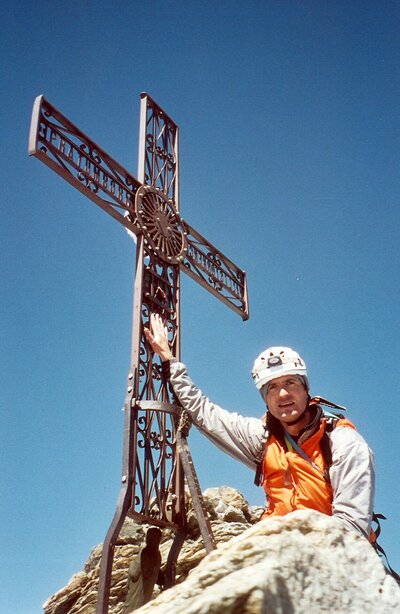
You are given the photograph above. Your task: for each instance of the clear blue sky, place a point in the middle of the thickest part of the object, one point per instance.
(289, 117)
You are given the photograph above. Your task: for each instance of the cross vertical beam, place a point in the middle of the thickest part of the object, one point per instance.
(156, 456)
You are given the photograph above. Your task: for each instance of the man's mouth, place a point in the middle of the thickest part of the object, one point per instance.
(287, 404)
(288, 409)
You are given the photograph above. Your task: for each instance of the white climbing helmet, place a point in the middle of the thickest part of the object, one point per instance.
(275, 362)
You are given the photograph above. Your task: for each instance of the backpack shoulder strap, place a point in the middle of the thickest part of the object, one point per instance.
(259, 477)
(325, 445)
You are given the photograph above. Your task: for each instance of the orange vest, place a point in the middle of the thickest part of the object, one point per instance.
(291, 482)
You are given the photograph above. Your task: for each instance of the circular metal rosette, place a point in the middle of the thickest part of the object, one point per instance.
(161, 224)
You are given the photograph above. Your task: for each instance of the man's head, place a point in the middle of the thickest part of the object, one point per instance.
(281, 376)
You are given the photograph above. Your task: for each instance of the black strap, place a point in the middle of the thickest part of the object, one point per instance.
(258, 476)
(381, 553)
(389, 570)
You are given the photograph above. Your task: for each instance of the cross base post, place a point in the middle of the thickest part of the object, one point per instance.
(131, 476)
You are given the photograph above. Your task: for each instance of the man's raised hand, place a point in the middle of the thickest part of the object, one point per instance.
(157, 337)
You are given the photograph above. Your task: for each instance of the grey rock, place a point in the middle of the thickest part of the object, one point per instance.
(303, 562)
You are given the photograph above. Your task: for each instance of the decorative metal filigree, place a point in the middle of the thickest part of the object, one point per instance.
(216, 272)
(79, 160)
(70, 153)
(160, 224)
(156, 456)
(160, 149)
(156, 466)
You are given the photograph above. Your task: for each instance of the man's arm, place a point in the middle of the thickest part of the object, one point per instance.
(353, 479)
(239, 436)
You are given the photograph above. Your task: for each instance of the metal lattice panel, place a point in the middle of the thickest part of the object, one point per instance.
(161, 150)
(156, 457)
(76, 158)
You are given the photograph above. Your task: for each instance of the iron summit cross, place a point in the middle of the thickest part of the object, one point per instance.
(156, 457)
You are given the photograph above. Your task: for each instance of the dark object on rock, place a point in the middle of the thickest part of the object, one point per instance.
(144, 572)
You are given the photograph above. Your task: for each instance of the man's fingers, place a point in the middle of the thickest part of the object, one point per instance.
(157, 324)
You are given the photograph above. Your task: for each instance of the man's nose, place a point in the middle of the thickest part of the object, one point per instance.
(282, 391)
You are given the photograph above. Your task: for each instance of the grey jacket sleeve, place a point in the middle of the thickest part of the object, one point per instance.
(241, 437)
(352, 477)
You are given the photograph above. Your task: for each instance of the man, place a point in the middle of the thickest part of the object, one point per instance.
(306, 459)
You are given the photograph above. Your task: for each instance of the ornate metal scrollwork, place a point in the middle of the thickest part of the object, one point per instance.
(161, 224)
(156, 458)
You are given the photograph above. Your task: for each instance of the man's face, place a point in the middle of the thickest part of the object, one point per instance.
(286, 398)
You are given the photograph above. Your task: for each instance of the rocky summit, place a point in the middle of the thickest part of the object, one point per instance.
(304, 562)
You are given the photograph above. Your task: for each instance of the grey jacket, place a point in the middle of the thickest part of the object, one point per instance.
(351, 474)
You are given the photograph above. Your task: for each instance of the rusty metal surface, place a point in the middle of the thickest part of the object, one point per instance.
(158, 149)
(215, 272)
(156, 457)
(153, 210)
(193, 483)
(76, 158)
(161, 224)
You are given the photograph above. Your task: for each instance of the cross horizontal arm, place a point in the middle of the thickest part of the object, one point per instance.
(57, 142)
(215, 272)
(74, 156)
